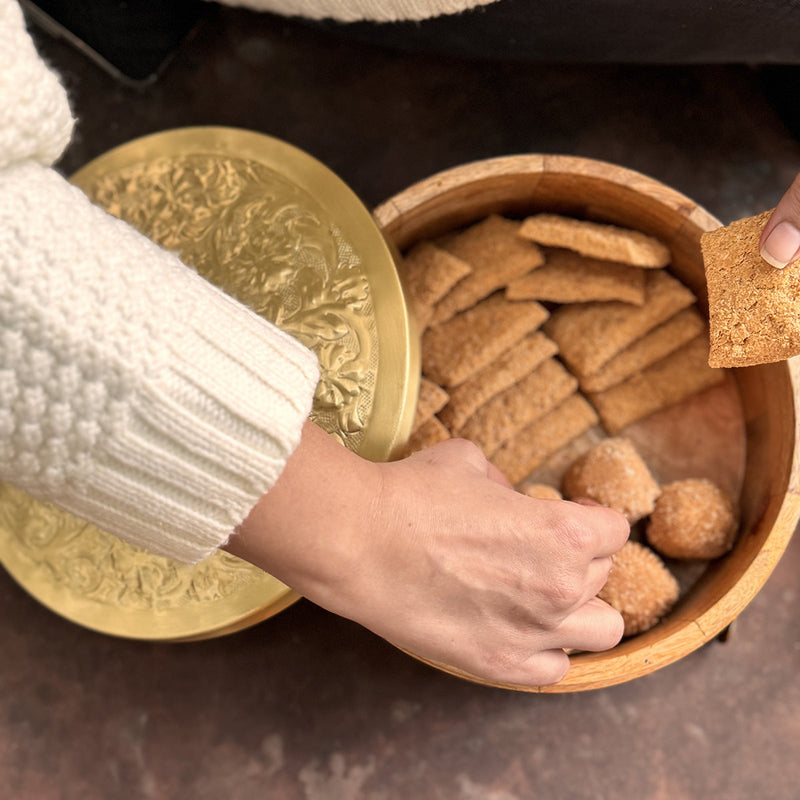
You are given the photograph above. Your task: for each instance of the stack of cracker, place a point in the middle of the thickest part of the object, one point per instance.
(536, 331)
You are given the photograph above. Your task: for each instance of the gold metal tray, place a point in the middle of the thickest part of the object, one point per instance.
(279, 231)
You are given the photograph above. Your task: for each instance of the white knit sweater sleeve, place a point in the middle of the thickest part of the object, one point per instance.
(132, 392)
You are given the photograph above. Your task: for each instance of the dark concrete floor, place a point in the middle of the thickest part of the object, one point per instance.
(310, 706)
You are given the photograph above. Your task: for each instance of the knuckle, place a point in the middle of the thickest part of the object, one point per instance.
(575, 535)
(565, 590)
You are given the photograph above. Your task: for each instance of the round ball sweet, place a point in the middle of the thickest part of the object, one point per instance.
(640, 587)
(613, 474)
(692, 519)
(540, 491)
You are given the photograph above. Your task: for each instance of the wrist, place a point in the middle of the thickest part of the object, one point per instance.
(307, 530)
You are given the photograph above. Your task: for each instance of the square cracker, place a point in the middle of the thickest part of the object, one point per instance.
(518, 406)
(568, 277)
(429, 433)
(455, 350)
(509, 368)
(589, 335)
(594, 239)
(652, 347)
(681, 374)
(495, 253)
(754, 308)
(533, 445)
(432, 398)
(428, 273)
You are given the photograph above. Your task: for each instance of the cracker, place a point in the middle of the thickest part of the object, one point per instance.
(589, 335)
(432, 398)
(652, 347)
(521, 404)
(569, 277)
(455, 350)
(540, 491)
(681, 374)
(495, 253)
(607, 242)
(518, 457)
(509, 368)
(428, 273)
(754, 308)
(429, 433)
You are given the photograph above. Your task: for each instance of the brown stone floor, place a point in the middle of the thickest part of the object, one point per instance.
(310, 706)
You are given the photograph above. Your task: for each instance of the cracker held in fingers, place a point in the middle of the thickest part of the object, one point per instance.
(652, 347)
(754, 308)
(432, 398)
(667, 382)
(495, 253)
(607, 242)
(428, 273)
(455, 350)
(511, 367)
(533, 445)
(568, 277)
(589, 335)
(521, 404)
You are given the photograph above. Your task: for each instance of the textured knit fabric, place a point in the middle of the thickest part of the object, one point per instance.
(357, 10)
(35, 120)
(132, 392)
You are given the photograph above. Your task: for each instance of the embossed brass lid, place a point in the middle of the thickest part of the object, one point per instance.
(279, 231)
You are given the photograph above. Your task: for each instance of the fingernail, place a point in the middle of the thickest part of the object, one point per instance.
(781, 245)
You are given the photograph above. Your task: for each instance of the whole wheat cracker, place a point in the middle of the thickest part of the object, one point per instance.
(509, 368)
(682, 373)
(531, 447)
(569, 277)
(608, 242)
(507, 413)
(431, 399)
(754, 308)
(495, 253)
(428, 273)
(589, 335)
(455, 350)
(429, 433)
(652, 347)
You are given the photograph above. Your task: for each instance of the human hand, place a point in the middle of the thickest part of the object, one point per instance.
(438, 555)
(780, 239)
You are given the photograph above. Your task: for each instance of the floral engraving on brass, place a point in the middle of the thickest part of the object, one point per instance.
(265, 241)
(96, 566)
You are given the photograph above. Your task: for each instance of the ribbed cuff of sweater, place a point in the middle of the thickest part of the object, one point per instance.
(134, 394)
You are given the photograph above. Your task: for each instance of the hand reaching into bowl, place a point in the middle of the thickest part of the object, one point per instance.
(441, 557)
(780, 241)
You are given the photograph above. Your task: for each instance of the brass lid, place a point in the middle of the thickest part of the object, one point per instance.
(279, 231)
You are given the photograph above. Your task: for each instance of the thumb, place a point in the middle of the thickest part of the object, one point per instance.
(780, 239)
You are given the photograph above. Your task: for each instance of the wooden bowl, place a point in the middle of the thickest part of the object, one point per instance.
(769, 502)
